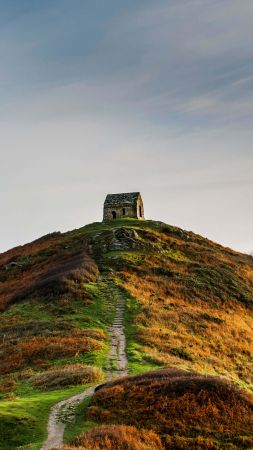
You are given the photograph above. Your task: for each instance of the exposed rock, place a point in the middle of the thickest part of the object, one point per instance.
(12, 265)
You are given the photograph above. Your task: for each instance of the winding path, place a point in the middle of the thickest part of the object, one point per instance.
(117, 366)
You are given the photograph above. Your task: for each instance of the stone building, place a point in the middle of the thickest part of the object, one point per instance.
(117, 206)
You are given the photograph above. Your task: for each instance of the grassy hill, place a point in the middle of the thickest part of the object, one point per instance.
(189, 306)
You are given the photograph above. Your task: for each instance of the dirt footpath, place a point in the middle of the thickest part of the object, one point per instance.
(117, 366)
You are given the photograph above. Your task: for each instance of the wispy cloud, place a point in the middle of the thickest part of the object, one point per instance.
(150, 95)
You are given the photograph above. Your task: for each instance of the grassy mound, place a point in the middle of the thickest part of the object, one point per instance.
(71, 375)
(186, 409)
(116, 437)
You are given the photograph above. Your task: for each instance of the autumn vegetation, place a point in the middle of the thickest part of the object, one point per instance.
(69, 375)
(116, 437)
(185, 409)
(189, 308)
(49, 274)
(191, 303)
(44, 266)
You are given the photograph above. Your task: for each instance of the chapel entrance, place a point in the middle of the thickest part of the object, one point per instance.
(114, 214)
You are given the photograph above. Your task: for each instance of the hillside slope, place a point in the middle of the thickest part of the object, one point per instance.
(189, 304)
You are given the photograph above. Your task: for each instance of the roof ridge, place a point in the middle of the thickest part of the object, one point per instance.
(122, 197)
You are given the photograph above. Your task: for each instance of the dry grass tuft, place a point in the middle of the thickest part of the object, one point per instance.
(69, 375)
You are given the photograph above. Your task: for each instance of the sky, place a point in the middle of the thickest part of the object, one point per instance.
(112, 96)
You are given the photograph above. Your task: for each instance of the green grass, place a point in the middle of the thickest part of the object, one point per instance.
(134, 256)
(96, 358)
(138, 361)
(98, 227)
(98, 314)
(176, 255)
(101, 311)
(23, 421)
(31, 309)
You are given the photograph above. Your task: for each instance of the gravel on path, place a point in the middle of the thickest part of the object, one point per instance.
(117, 367)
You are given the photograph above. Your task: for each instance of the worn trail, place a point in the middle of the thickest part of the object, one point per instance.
(117, 366)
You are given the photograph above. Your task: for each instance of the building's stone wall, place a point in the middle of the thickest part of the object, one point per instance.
(123, 205)
(140, 208)
(111, 211)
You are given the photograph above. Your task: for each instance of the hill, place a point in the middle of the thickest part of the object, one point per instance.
(189, 305)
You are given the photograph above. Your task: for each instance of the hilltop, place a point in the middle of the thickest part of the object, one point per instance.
(188, 306)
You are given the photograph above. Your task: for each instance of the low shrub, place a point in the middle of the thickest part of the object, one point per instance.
(116, 437)
(67, 376)
(201, 410)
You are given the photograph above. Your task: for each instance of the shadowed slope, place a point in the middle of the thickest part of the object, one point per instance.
(35, 267)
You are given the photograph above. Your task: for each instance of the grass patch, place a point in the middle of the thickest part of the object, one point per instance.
(70, 375)
(27, 310)
(129, 256)
(23, 421)
(176, 255)
(138, 361)
(101, 310)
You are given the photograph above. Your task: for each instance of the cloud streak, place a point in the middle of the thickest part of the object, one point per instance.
(152, 95)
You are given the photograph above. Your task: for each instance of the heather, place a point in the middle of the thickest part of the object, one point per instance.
(116, 437)
(186, 409)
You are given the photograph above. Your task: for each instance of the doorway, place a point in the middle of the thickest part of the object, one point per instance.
(140, 211)
(114, 214)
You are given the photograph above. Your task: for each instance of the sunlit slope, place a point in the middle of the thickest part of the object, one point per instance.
(189, 299)
(192, 300)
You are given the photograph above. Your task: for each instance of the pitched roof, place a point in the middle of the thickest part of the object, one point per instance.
(128, 197)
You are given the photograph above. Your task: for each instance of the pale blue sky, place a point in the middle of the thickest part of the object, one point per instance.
(100, 97)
